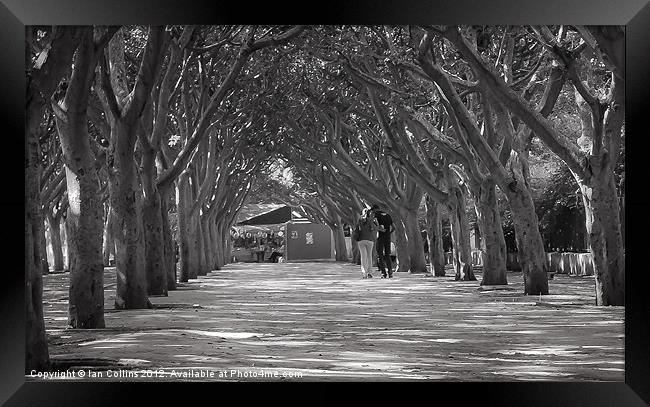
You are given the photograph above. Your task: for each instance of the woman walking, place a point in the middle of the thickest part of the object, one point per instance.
(367, 227)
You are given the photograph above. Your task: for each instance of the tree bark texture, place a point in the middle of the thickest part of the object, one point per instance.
(462, 254)
(36, 351)
(494, 259)
(417, 261)
(341, 250)
(153, 226)
(605, 237)
(530, 246)
(128, 230)
(168, 241)
(85, 216)
(434, 237)
(186, 230)
(55, 240)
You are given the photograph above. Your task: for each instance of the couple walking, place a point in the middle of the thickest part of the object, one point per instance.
(374, 220)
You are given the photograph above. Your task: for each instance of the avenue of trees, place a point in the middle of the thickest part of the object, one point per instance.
(142, 138)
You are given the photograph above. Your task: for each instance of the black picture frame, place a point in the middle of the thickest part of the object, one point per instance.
(634, 14)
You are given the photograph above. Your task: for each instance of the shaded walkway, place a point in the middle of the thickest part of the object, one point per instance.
(321, 321)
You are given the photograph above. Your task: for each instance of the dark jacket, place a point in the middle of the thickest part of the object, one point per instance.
(368, 228)
(386, 221)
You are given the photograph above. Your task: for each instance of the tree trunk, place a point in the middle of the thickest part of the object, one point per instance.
(605, 238)
(109, 243)
(418, 263)
(227, 248)
(84, 224)
(55, 241)
(494, 259)
(221, 251)
(207, 242)
(154, 247)
(530, 246)
(155, 269)
(36, 353)
(168, 241)
(217, 246)
(186, 228)
(401, 247)
(128, 231)
(434, 236)
(200, 247)
(462, 254)
(42, 242)
(340, 248)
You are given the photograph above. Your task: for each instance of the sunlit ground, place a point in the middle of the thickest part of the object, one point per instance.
(321, 321)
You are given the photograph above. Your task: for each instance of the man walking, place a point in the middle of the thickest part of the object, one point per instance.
(386, 227)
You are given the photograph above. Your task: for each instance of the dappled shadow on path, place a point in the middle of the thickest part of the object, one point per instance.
(322, 321)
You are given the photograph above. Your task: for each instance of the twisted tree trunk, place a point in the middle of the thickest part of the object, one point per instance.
(530, 246)
(605, 238)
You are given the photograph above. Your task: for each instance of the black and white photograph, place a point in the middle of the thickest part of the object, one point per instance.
(326, 203)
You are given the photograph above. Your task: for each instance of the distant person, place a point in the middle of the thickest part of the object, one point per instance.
(367, 226)
(386, 227)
